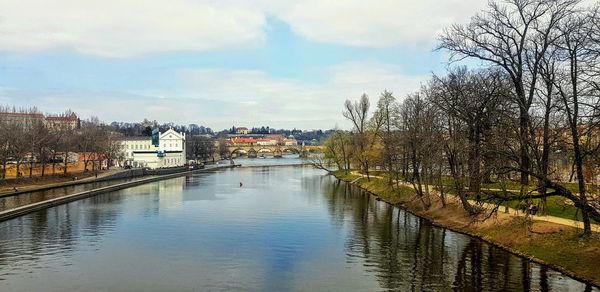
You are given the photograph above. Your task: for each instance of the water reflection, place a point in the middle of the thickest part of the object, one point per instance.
(286, 229)
(407, 253)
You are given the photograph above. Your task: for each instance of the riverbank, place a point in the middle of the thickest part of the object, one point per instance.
(555, 245)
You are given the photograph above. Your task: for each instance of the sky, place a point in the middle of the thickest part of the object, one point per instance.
(219, 63)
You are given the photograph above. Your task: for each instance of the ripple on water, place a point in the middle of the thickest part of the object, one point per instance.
(287, 229)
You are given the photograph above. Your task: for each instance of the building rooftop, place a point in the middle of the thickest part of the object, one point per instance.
(14, 114)
(70, 118)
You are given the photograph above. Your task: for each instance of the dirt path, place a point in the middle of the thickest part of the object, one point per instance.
(512, 211)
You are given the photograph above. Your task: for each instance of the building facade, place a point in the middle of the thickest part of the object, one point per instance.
(67, 121)
(140, 152)
(242, 131)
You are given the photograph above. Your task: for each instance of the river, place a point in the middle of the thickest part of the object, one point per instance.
(289, 228)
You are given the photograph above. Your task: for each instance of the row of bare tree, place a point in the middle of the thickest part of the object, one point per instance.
(530, 110)
(28, 140)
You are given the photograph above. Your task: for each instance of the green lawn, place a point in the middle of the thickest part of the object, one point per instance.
(556, 206)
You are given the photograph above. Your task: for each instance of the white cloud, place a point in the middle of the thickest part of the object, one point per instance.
(222, 98)
(377, 24)
(126, 27)
(122, 28)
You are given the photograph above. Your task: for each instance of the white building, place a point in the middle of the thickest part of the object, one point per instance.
(266, 142)
(139, 151)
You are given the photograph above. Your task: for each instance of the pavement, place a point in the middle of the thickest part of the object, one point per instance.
(37, 187)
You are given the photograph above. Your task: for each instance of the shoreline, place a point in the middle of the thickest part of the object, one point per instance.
(441, 218)
(476, 232)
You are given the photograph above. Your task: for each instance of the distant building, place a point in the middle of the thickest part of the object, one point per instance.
(139, 151)
(266, 142)
(241, 141)
(21, 118)
(52, 121)
(60, 157)
(92, 158)
(290, 142)
(69, 122)
(242, 131)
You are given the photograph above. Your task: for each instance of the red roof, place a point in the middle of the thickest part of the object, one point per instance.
(243, 140)
(71, 118)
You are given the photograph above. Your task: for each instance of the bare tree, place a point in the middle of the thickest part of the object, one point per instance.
(471, 97)
(358, 113)
(577, 94)
(111, 148)
(338, 149)
(422, 136)
(200, 148)
(88, 140)
(513, 35)
(387, 111)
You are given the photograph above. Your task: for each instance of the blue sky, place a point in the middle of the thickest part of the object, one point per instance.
(218, 63)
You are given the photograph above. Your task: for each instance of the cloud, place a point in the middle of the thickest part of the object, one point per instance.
(127, 27)
(224, 98)
(124, 28)
(375, 24)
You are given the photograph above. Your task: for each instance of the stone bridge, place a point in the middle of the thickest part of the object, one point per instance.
(275, 150)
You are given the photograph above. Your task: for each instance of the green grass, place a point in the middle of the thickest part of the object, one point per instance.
(565, 248)
(555, 206)
(380, 187)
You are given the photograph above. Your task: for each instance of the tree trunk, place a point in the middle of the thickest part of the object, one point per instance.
(523, 149)
(4, 169)
(53, 163)
(474, 161)
(66, 164)
(18, 168)
(545, 144)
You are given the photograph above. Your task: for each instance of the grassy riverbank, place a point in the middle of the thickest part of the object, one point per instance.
(559, 246)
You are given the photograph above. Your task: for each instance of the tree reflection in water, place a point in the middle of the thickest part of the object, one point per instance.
(407, 253)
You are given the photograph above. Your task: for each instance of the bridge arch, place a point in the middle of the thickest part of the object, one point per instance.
(290, 149)
(238, 150)
(266, 150)
(276, 150)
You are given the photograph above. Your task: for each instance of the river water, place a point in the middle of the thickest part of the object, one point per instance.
(288, 228)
